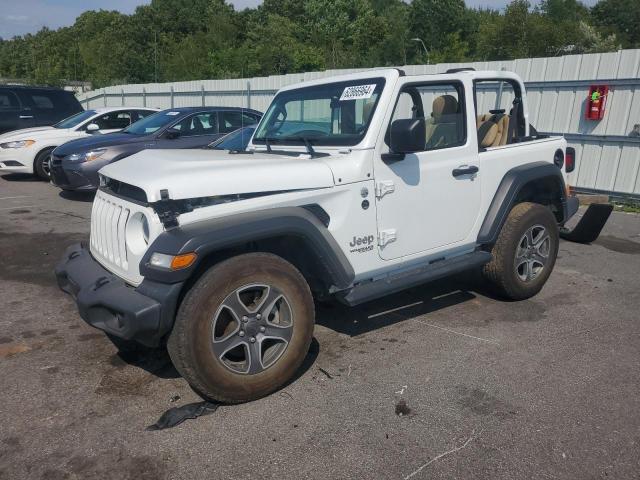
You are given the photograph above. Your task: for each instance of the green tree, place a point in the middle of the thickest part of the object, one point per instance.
(433, 20)
(619, 17)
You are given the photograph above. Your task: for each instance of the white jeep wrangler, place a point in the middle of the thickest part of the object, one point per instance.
(352, 187)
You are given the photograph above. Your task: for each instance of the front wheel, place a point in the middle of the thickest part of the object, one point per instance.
(525, 253)
(41, 164)
(244, 328)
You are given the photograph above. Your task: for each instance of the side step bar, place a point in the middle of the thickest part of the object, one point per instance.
(435, 270)
(590, 225)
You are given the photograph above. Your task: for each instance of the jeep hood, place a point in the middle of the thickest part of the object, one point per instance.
(205, 173)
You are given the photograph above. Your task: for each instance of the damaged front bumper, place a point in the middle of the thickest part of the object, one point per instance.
(590, 225)
(144, 314)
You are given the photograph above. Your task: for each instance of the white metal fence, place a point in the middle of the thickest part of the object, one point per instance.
(557, 87)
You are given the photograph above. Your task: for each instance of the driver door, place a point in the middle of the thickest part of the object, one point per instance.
(429, 200)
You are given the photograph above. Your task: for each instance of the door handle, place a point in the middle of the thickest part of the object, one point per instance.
(25, 117)
(465, 170)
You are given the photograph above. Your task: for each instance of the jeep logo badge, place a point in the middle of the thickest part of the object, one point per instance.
(361, 244)
(361, 241)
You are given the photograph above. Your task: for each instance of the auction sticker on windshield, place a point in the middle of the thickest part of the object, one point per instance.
(358, 91)
(172, 114)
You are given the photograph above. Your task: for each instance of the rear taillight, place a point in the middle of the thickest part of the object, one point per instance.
(570, 160)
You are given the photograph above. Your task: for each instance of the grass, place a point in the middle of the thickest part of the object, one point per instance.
(627, 207)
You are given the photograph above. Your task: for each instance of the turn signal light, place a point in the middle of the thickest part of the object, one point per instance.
(183, 261)
(172, 262)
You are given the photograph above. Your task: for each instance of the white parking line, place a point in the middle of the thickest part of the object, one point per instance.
(21, 196)
(457, 333)
(394, 309)
(19, 206)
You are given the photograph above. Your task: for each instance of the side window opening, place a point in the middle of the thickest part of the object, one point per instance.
(232, 120)
(140, 114)
(442, 107)
(113, 121)
(42, 102)
(499, 113)
(195, 125)
(8, 101)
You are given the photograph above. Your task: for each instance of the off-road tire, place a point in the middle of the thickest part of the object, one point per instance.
(501, 271)
(191, 345)
(38, 164)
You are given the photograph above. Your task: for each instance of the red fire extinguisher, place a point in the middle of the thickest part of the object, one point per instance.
(596, 102)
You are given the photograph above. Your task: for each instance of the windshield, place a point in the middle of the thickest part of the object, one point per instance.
(330, 114)
(237, 140)
(153, 123)
(75, 120)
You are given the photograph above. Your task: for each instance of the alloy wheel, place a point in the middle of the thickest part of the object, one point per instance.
(252, 328)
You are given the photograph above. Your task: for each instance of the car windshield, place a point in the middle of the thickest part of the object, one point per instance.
(75, 120)
(153, 123)
(237, 140)
(329, 114)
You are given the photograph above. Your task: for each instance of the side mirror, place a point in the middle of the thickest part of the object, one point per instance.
(408, 135)
(172, 133)
(93, 128)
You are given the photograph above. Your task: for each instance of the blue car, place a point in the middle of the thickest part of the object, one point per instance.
(235, 141)
(75, 165)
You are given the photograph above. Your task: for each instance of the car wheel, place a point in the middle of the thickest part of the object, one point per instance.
(525, 253)
(41, 164)
(244, 329)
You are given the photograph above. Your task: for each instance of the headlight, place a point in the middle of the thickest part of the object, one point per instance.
(87, 156)
(137, 233)
(18, 144)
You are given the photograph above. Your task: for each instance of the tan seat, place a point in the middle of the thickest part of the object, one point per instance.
(443, 127)
(492, 130)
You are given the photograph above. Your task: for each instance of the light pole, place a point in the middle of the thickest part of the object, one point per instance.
(423, 46)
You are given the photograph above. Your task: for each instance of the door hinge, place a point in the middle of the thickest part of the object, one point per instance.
(384, 187)
(386, 236)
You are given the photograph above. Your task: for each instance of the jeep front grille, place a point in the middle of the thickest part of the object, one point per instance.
(108, 224)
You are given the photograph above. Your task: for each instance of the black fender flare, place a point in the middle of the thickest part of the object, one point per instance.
(504, 199)
(220, 233)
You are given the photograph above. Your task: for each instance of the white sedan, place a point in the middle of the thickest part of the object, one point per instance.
(28, 150)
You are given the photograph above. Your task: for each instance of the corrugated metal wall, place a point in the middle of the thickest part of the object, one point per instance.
(608, 159)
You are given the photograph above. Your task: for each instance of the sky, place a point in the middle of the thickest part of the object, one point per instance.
(29, 16)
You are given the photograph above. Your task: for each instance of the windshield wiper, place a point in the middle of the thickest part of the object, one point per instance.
(305, 140)
(298, 138)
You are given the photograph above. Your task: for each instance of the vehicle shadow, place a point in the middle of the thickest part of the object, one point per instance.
(155, 361)
(20, 177)
(352, 321)
(401, 306)
(77, 196)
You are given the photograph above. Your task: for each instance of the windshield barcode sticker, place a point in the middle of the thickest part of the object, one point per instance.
(172, 114)
(357, 92)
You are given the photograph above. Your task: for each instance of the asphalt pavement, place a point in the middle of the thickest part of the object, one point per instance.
(439, 382)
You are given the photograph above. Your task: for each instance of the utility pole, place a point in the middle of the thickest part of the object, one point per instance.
(423, 46)
(155, 56)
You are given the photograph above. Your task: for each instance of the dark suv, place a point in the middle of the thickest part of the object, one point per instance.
(25, 107)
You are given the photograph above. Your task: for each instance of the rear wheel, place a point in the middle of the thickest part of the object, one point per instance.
(244, 329)
(41, 164)
(525, 253)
